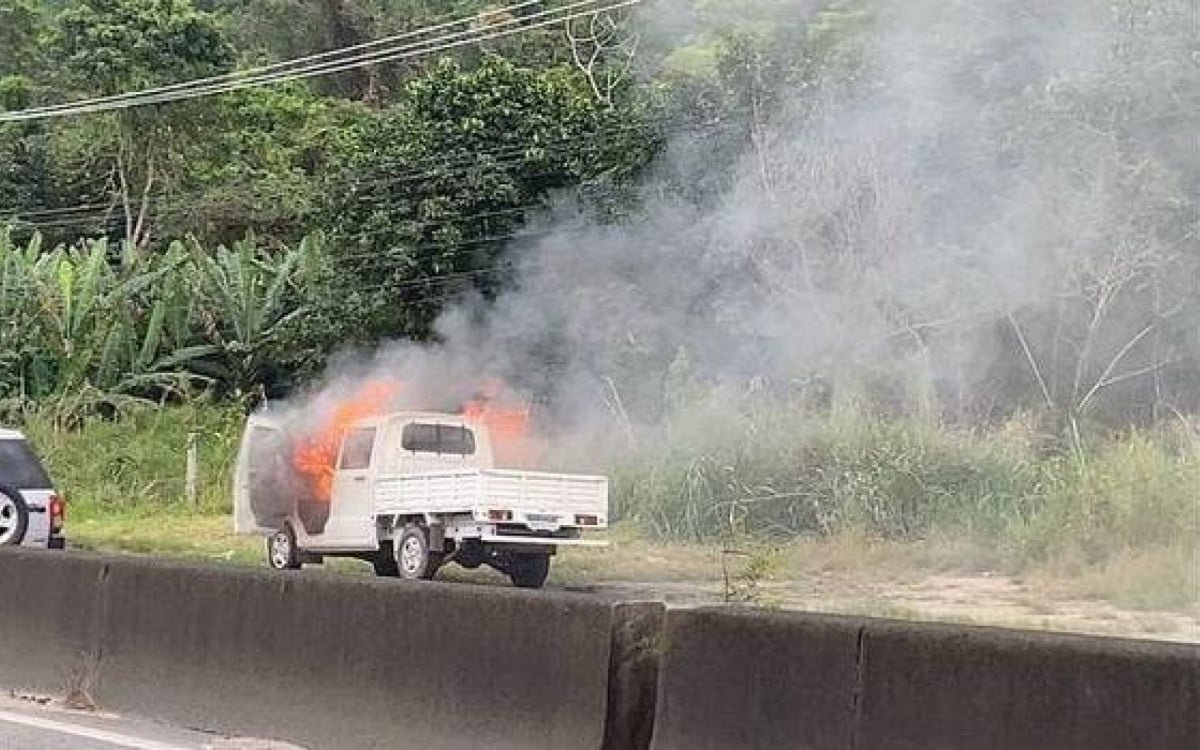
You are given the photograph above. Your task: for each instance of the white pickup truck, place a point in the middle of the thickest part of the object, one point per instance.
(410, 492)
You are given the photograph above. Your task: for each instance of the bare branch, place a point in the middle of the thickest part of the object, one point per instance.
(598, 40)
(1156, 367)
(1033, 365)
(141, 235)
(123, 180)
(1116, 360)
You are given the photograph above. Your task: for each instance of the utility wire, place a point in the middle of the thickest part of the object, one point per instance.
(433, 166)
(196, 89)
(293, 65)
(168, 203)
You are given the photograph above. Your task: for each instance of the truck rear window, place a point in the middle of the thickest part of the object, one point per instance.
(438, 438)
(20, 468)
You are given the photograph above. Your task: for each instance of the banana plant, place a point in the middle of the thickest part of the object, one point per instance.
(249, 297)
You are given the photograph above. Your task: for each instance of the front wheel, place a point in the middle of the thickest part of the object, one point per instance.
(529, 571)
(282, 552)
(413, 556)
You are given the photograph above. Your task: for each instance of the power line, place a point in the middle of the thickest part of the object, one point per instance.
(196, 89)
(289, 66)
(282, 66)
(432, 166)
(85, 214)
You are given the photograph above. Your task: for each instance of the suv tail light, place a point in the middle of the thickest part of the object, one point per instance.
(58, 512)
(587, 521)
(500, 515)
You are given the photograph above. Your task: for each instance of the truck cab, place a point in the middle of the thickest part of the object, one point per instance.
(409, 492)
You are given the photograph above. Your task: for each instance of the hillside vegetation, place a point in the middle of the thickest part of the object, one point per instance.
(895, 272)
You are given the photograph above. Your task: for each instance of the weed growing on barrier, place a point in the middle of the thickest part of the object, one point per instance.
(79, 684)
(744, 580)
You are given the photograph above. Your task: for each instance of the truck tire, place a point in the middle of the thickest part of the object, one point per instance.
(282, 552)
(413, 557)
(529, 571)
(14, 518)
(384, 561)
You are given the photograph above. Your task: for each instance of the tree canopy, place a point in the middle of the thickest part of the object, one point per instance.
(855, 160)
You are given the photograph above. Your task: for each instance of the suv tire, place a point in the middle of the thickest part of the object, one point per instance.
(14, 518)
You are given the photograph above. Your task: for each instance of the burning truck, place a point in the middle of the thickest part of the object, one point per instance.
(409, 491)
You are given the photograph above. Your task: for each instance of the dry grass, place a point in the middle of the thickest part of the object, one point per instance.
(1165, 578)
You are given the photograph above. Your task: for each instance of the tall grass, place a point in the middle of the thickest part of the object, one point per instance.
(1007, 495)
(137, 465)
(785, 473)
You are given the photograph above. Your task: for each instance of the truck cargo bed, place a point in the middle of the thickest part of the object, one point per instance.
(480, 491)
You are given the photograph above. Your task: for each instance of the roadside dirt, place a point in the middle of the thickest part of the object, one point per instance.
(980, 599)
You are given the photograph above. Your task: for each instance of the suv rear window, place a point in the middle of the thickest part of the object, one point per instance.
(20, 468)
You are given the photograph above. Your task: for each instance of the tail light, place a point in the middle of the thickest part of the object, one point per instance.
(499, 515)
(58, 512)
(587, 521)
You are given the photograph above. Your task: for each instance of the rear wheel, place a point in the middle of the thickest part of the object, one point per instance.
(414, 559)
(14, 519)
(282, 552)
(529, 571)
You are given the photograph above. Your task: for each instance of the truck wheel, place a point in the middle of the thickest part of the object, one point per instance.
(529, 571)
(14, 519)
(413, 557)
(384, 561)
(282, 553)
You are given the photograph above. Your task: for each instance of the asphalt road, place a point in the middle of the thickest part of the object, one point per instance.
(25, 725)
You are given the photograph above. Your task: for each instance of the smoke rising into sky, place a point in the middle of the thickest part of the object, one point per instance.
(974, 198)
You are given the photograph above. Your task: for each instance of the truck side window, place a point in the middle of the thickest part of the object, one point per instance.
(357, 447)
(438, 438)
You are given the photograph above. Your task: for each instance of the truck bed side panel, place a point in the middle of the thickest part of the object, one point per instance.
(434, 492)
(564, 493)
(472, 491)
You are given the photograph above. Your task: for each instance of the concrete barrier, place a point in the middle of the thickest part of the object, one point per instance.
(748, 680)
(340, 662)
(331, 661)
(934, 687)
(50, 608)
(796, 681)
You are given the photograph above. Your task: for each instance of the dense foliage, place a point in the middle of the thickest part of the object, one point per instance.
(900, 269)
(425, 180)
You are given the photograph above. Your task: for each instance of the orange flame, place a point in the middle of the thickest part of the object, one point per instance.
(508, 426)
(315, 456)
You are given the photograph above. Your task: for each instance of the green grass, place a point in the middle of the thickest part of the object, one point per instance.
(167, 533)
(844, 494)
(138, 464)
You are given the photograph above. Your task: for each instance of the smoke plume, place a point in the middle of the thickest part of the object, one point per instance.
(946, 205)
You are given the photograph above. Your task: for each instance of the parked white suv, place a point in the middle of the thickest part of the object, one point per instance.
(31, 512)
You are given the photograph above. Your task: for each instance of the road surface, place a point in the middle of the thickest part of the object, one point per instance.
(29, 725)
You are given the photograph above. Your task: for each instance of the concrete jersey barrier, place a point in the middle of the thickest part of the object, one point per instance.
(330, 661)
(792, 681)
(51, 609)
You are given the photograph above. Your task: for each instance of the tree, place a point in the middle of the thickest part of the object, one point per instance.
(21, 24)
(439, 185)
(114, 46)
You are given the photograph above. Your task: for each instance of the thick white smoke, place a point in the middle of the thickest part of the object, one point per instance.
(906, 221)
